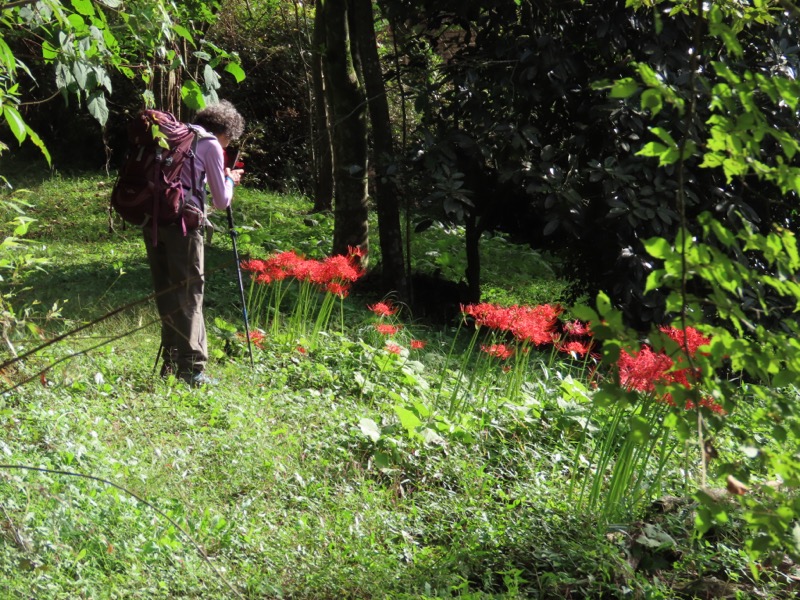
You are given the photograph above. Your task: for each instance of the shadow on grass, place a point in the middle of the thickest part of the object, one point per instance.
(89, 290)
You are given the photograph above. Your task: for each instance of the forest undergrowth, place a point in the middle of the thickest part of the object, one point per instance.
(367, 453)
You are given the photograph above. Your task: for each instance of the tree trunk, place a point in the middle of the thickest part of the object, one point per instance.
(347, 103)
(323, 158)
(473, 239)
(391, 239)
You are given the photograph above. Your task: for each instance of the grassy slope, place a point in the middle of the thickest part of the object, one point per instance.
(269, 471)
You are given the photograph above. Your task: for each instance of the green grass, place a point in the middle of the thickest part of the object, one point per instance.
(276, 473)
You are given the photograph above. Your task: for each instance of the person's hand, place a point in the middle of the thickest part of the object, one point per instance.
(234, 174)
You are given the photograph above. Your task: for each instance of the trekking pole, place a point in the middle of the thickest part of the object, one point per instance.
(158, 358)
(232, 232)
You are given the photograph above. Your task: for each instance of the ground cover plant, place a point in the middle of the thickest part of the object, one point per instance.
(367, 453)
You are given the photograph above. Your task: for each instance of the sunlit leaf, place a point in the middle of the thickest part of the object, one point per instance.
(370, 429)
(624, 88)
(235, 70)
(83, 7)
(15, 122)
(97, 107)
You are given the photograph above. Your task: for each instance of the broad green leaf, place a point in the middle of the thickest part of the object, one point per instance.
(624, 88)
(77, 22)
(7, 56)
(668, 157)
(408, 419)
(603, 304)
(640, 428)
(80, 72)
(654, 280)
(235, 70)
(97, 107)
(370, 429)
(652, 149)
(652, 101)
(49, 52)
(15, 122)
(430, 436)
(658, 247)
(37, 141)
(183, 32)
(648, 75)
(382, 460)
(664, 136)
(192, 95)
(585, 313)
(83, 7)
(211, 78)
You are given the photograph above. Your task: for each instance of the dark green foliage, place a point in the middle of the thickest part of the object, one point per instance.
(519, 132)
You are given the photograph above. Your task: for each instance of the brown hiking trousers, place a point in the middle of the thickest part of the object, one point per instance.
(177, 265)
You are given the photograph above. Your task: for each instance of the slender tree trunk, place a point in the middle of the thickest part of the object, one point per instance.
(473, 239)
(323, 157)
(391, 239)
(347, 104)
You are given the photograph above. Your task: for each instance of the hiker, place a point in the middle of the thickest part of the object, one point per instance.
(176, 255)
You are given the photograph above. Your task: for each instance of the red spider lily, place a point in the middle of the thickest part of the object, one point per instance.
(642, 370)
(490, 315)
(305, 270)
(256, 337)
(577, 328)
(287, 259)
(500, 351)
(301, 350)
(383, 309)
(393, 348)
(337, 289)
(386, 328)
(340, 268)
(709, 404)
(536, 324)
(356, 256)
(418, 344)
(254, 265)
(334, 269)
(689, 338)
(575, 347)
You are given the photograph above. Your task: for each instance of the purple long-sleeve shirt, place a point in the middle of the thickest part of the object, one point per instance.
(209, 166)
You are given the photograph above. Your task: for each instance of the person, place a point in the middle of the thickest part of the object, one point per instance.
(176, 256)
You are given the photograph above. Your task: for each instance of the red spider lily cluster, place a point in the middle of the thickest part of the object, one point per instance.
(418, 344)
(256, 337)
(577, 339)
(534, 324)
(387, 329)
(383, 309)
(393, 348)
(334, 274)
(500, 351)
(645, 369)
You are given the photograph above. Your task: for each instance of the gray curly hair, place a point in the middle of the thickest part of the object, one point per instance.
(221, 118)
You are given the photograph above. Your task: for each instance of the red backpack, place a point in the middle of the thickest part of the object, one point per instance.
(149, 188)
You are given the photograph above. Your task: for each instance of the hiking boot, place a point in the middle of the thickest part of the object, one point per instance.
(197, 379)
